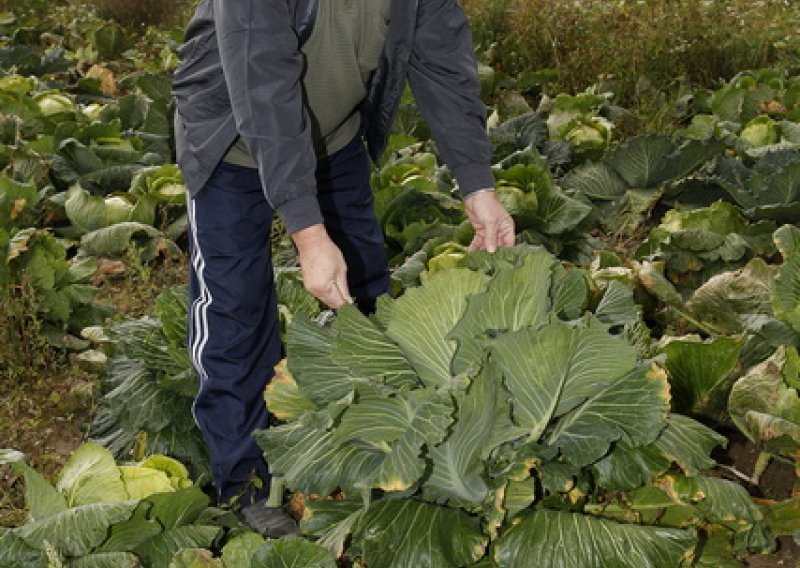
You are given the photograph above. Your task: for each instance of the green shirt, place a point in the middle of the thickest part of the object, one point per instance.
(343, 50)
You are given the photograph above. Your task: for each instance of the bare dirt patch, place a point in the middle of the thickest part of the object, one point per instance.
(45, 418)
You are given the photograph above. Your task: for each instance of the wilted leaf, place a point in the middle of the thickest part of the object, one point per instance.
(195, 558)
(283, 398)
(786, 297)
(764, 407)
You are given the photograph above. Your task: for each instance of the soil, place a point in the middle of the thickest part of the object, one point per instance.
(778, 482)
(46, 419)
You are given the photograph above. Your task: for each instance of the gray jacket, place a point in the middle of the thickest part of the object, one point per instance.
(241, 72)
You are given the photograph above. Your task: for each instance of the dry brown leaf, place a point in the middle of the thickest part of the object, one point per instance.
(107, 269)
(106, 77)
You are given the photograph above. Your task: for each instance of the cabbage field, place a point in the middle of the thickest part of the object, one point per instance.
(618, 390)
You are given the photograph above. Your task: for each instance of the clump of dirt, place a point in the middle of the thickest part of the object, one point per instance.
(787, 555)
(778, 481)
(132, 288)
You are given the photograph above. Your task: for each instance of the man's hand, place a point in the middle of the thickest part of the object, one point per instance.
(323, 266)
(493, 226)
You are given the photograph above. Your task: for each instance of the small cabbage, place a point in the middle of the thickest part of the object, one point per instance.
(565, 109)
(520, 205)
(89, 212)
(93, 111)
(703, 127)
(446, 256)
(589, 136)
(53, 104)
(162, 182)
(156, 474)
(17, 84)
(141, 482)
(761, 131)
(176, 472)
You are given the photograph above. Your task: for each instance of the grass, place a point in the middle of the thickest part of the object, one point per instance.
(130, 13)
(142, 12)
(634, 44)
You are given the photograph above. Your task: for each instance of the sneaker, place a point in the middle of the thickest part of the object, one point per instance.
(271, 522)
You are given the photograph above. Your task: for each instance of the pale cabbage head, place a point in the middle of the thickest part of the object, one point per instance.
(93, 111)
(53, 104)
(589, 136)
(118, 209)
(761, 131)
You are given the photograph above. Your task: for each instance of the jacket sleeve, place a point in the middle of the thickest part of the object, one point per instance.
(263, 66)
(444, 79)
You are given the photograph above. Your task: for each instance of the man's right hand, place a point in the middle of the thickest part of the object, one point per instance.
(323, 267)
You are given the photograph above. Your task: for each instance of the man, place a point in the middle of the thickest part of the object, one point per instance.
(277, 104)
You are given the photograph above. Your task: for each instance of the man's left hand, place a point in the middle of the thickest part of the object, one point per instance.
(493, 226)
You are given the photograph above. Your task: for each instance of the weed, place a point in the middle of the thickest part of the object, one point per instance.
(22, 346)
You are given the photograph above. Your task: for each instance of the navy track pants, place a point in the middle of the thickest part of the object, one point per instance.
(234, 335)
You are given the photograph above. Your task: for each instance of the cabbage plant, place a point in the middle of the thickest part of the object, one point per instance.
(54, 104)
(765, 406)
(635, 176)
(149, 387)
(768, 189)
(64, 298)
(89, 212)
(786, 298)
(698, 244)
(751, 93)
(484, 417)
